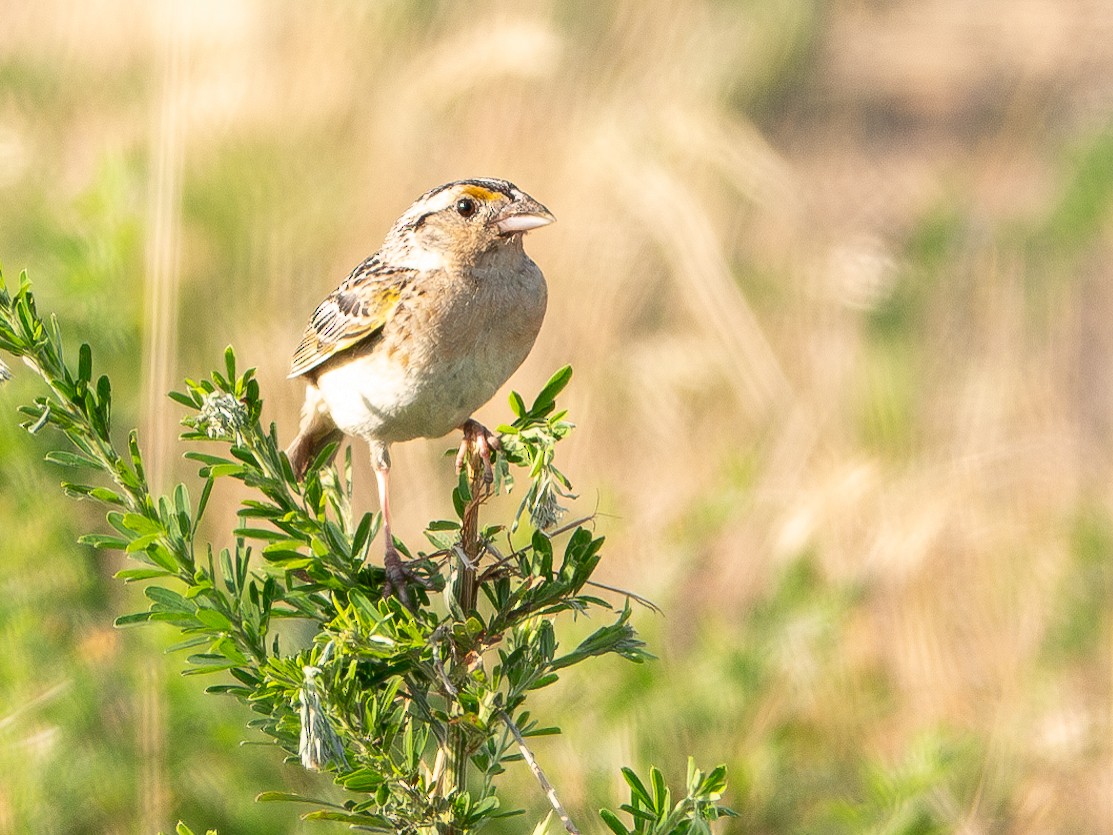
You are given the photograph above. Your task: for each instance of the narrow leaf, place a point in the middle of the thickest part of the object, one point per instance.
(130, 575)
(613, 822)
(637, 788)
(288, 797)
(547, 398)
(71, 459)
(230, 363)
(132, 619)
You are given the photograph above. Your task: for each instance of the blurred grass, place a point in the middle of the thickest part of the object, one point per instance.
(834, 278)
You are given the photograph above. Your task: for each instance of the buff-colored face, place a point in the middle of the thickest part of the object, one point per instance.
(460, 222)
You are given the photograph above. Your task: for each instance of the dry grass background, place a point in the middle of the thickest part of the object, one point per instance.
(834, 278)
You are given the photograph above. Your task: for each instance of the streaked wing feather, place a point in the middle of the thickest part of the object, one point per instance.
(355, 310)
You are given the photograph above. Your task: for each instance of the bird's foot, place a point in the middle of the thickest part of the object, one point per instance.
(478, 439)
(399, 577)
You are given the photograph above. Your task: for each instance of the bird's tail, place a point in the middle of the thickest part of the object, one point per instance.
(317, 431)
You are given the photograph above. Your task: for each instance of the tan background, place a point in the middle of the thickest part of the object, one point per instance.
(834, 278)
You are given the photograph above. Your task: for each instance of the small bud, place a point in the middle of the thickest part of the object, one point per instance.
(222, 416)
(319, 745)
(546, 511)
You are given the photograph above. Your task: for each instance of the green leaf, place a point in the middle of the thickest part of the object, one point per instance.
(261, 533)
(637, 788)
(462, 494)
(142, 543)
(101, 494)
(363, 780)
(189, 643)
(132, 619)
(181, 504)
(324, 456)
(638, 813)
(161, 556)
(543, 681)
(441, 541)
(543, 549)
(184, 399)
(715, 783)
(210, 660)
(136, 456)
(288, 797)
(171, 600)
(104, 397)
(104, 543)
(613, 823)
(547, 398)
(554, 731)
(230, 363)
(660, 791)
(85, 363)
(71, 459)
(130, 575)
(205, 458)
(213, 619)
(142, 525)
(43, 419)
(206, 491)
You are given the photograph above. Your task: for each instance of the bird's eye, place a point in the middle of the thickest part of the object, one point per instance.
(466, 206)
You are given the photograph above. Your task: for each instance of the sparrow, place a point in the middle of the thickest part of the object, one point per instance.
(423, 333)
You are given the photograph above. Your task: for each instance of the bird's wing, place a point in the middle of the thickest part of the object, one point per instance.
(355, 310)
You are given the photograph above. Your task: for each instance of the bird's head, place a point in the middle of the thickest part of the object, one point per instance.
(461, 222)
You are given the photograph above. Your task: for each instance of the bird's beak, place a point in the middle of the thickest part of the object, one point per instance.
(522, 215)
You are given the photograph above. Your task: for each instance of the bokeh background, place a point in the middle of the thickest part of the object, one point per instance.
(835, 279)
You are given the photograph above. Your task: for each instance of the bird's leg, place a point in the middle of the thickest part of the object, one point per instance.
(478, 439)
(398, 577)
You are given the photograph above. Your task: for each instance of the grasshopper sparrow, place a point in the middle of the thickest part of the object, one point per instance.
(424, 332)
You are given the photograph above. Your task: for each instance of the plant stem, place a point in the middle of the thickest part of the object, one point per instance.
(472, 546)
(465, 592)
(546, 786)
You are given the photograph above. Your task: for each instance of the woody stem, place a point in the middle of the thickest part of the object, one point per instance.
(465, 592)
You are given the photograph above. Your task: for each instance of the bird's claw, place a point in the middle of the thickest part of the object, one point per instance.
(478, 439)
(399, 578)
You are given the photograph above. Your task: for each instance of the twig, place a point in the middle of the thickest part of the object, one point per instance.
(555, 532)
(414, 694)
(637, 598)
(467, 552)
(463, 557)
(546, 786)
(567, 526)
(500, 562)
(438, 663)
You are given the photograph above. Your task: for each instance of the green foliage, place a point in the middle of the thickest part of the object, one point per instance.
(654, 813)
(530, 442)
(904, 800)
(394, 702)
(1080, 619)
(1084, 203)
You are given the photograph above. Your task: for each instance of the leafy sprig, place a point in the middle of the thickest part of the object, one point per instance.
(397, 704)
(654, 813)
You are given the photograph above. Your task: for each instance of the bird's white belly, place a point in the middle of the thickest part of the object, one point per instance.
(375, 397)
(427, 387)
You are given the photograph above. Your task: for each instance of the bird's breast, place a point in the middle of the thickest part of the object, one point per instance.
(443, 355)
